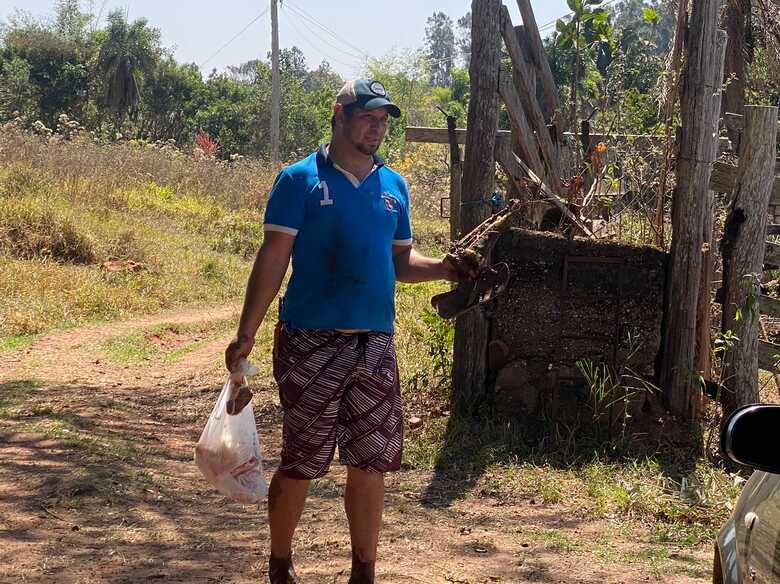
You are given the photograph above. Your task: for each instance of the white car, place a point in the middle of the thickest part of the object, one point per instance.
(747, 550)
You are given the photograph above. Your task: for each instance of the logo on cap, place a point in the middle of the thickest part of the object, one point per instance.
(377, 89)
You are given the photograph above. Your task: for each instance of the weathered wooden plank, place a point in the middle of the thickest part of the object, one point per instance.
(527, 94)
(772, 254)
(737, 122)
(549, 102)
(724, 179)
(441, 135)
(700, 110)
(469, 368)
(743, 248)
(769, 356)
(523, 134)
(769, 306)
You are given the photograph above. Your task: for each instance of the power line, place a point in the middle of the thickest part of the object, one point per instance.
(318, 36)
(238, 34)
(352, 66)
(301, 12)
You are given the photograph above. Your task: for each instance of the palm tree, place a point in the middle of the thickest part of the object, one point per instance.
(128, 51)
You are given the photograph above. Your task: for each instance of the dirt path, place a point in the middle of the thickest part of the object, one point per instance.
(97, 484)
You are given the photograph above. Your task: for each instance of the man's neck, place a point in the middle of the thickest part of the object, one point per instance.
(350, 158)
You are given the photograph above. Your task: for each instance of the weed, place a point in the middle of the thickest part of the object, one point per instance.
(437, 337)
(240, 233)
(20, 180)
(12, 393)
(423, 451)
(554, 539)
(211, 270)
(62, 428)
(611, 388)
(34, 229)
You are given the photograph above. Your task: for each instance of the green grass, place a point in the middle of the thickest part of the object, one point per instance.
(16, 342)
(556, 540)
(86, 441)
(152, 344)
(132, 348)
(639, 490)
(13, 393)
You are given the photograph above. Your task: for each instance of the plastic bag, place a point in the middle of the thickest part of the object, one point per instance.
(228, 452)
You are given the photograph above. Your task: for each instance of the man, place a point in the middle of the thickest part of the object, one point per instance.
(343, 217)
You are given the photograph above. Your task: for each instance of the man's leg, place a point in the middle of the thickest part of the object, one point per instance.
(286, 499)
(364, 500)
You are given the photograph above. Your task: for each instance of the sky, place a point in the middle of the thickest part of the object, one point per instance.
(207, 33)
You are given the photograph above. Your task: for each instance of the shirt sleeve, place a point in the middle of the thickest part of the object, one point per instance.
(286, 206)
(403, 231)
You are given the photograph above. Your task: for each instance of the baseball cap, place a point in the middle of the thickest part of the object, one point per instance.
(368, 94)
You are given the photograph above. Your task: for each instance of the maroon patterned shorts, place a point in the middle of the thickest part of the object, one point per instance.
(338, 388)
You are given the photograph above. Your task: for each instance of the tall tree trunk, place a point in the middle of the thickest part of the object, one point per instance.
(700, 109)
(672, 78)
(735, 21)
(743, 247)
(472, 329)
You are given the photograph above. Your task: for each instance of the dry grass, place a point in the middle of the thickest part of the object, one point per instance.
(192, 225)
(37, 229)
(88, 170)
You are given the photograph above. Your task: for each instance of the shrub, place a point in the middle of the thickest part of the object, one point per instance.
(34, 229)
(239, 232)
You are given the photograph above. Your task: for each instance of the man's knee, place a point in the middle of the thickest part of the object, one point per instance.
(281, 484)
(365, 477)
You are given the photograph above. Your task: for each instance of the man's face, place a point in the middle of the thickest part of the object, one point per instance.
(365, 129)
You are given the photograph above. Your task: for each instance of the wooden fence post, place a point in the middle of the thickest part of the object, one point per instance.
(456, 172)
(703, 360)
(743, 246)
(469, 370)
(702, 79)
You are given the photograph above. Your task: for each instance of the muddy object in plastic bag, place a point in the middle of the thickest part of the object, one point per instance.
(489, 283)
(239, 397)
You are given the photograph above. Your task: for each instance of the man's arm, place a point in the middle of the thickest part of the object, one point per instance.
(412, 267)
(264, 282)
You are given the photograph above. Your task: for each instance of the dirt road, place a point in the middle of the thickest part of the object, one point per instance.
(97, 484)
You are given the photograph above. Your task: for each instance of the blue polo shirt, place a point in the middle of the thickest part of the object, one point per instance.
(343, 275)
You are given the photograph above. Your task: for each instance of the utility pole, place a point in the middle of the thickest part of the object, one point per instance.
(275, 89)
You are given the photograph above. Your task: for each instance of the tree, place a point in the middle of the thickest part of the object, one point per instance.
(406, 76)
(17, 92)
(588, 35)
(173, 95)
(127, 52)
(50, 72)
(440, 44)
(70, 22)
(464, 39)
